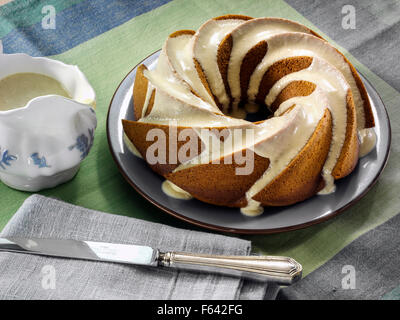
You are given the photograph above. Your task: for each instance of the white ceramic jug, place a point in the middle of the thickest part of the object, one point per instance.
(43, 143)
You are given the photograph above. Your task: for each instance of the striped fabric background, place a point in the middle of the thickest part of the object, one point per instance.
(107, 38)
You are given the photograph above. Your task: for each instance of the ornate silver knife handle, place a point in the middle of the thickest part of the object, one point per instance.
(283, 270)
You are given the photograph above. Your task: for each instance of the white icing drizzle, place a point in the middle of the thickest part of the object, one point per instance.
(149, 92)
(245, 37)
(300, 122)
(188, 109)
(334, 87)
(179, 53)
(287, 45)
(214, 149)
(253, 209)
(207, 40)
(367, 138)
(280, 138)
(172, 190)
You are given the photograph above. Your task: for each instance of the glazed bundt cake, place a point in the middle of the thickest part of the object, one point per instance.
(189, 113)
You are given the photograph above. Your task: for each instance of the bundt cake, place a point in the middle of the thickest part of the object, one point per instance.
(189, 113)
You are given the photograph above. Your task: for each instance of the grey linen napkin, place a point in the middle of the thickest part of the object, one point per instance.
(25, 276)
(368, 268)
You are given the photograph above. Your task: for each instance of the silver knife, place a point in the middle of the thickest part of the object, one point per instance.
(283, 270)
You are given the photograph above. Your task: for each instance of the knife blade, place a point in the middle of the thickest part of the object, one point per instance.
(283, 270)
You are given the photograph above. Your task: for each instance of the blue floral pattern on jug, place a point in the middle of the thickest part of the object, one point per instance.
(5, 159)
(40, 162)
(84, 143)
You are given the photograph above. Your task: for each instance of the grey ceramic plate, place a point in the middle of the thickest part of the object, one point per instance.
(314, 210)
